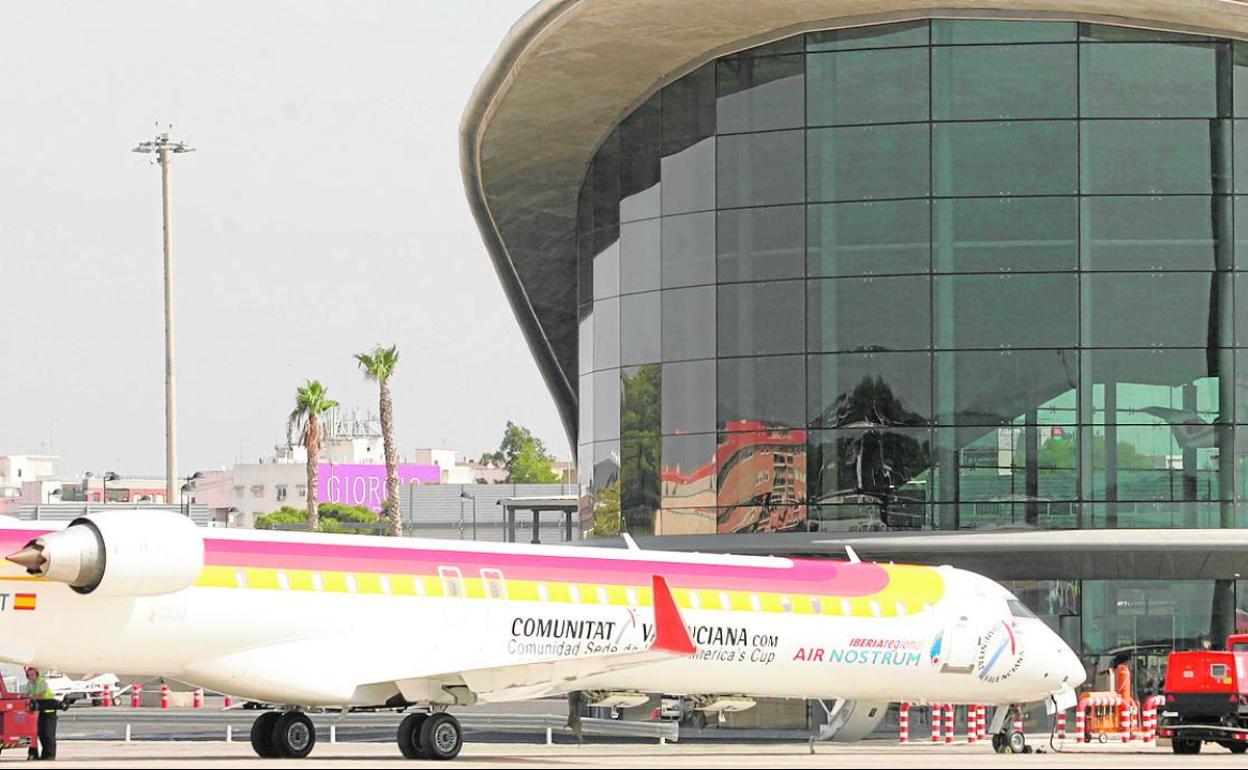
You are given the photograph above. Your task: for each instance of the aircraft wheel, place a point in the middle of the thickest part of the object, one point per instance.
(262, 735)
(441, 737)
(1237, 747)
(998, 743)
(1017, 742)
(409, 736)
(293, 735)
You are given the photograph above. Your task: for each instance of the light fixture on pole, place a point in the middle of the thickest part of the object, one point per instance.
(162, 146)
(110, 476)
(465, 495)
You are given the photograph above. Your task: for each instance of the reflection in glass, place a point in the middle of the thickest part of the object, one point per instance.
(604, 511)
(872, 238)
(640, 329)
(1015, 310)
(606, 394)
(1151, 309)
(1015, 464)
(1005, 234)
(908, 33)
(762, 481)
(1151, 157)
(607, 333)
(603, 247)
(882, 463)
(998, 387)
(639, 162)
(1144, 386)
(761, 318)
(982, 31)
(639, 484)
(639, 256)
(641, 391)
(1147, 464)
(1161, 80)
(761, 244)
(689, 475)
(861, 389)
(1150, 233)
(688, 249)
(688, 165)
(760, 94)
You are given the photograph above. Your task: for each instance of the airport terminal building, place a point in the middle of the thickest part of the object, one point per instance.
(950, 284)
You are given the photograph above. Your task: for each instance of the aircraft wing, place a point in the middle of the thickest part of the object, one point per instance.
(558, 675)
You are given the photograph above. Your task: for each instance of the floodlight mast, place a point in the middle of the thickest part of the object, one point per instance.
(163, 147)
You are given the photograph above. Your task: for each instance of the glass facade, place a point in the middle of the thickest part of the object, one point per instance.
(957, 274)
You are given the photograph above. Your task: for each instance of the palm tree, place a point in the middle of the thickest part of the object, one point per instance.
(310, 403)
(379, 366)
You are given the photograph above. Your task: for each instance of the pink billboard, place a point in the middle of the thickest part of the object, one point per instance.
(366, 484)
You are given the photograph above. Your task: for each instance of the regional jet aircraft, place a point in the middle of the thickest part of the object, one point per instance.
(316, 621)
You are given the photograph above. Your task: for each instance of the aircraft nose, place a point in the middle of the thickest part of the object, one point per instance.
(1071, 668)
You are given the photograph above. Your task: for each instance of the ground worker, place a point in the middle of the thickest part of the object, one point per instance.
(43, 701)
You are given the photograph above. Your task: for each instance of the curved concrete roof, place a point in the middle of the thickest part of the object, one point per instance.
(570, 70)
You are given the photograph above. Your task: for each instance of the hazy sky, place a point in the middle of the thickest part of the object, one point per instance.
(323, 212)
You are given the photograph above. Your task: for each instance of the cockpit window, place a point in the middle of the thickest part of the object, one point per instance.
(1019, 610)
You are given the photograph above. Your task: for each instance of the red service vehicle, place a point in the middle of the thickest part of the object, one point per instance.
(19, 726)
(1207, 698)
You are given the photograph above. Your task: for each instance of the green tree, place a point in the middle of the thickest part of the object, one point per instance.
(304, 427)
(333, 518)
(525, 457)
(378, 366)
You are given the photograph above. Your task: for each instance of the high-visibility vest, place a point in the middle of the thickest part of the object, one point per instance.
(40, 689)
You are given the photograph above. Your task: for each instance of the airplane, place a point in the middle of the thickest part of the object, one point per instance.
(313, 621)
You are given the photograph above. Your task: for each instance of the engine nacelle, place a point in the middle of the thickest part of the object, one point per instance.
(853, 720)
(120, 553)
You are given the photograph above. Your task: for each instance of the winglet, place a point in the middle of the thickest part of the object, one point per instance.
(670, 634)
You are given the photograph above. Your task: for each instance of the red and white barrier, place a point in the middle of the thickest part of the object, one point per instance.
(164, 696)
(197, 699)
(903, 723)
(1152, 705)
(950, 717)
(136, 696)
(107, 699)
(1061, 725)
(972, 724)
(937, 715)
(983, 723)
(228, 702)
(1081, 724)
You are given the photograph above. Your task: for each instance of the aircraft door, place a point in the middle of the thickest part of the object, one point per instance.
(495, 596)
(958, 646)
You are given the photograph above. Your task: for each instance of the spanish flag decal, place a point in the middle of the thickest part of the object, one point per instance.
(24, 601)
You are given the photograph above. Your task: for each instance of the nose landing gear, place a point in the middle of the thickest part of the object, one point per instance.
(1009, 739)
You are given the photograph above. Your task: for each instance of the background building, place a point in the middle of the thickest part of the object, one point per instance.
(959, 286)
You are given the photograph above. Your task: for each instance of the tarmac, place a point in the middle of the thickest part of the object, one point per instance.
(869, 754)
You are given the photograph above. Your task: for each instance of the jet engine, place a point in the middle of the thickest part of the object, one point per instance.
(852, 720)
(119, 553)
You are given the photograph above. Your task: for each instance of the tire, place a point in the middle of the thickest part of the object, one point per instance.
(1237, 747)
(409, 736)
(998, 743)
(441, 737)
(1185, 746)
(262, 735)
(294, 735)
(1016, 742)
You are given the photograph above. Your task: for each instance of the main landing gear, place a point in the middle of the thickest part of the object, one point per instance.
(430, 736)
(291, 735)
(283, 735)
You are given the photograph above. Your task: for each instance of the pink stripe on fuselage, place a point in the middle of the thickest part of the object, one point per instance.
(837, 578)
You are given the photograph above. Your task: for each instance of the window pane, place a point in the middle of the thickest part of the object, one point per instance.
(585, 409)
(761, 318)
(762, 481)
(847, 389)
(873, 238)
(756, 392)
(641, 393)
(1104, 33)
(875, 462)
(606, 389)
(1006, 234)
(688, 165)
(870, 314)
(689, 472)
(1148, 309)
(689, 397)
(1241, 154)
(868, 162)
(604, 245)
(1000, 387)
(639, 256)
(1149, 233)
(639, 484)
(1018, 310)
(993, 463)
(607, 333)
(688, 247)
(986, 82)
(639, 162)
(640, 332)
(973, 31)
(1162, 80)
(585, 339)
(760, 94)
(604, 490)
(604, 176)
(1172, 386)
(689, 178)
(761, 244)
(1014, 158)
(1240, 78)
(760, 169)
(877, 36)
(1241, 233)
(689, 323)
(1147, 465)
(867, 87)
(1155, 156)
